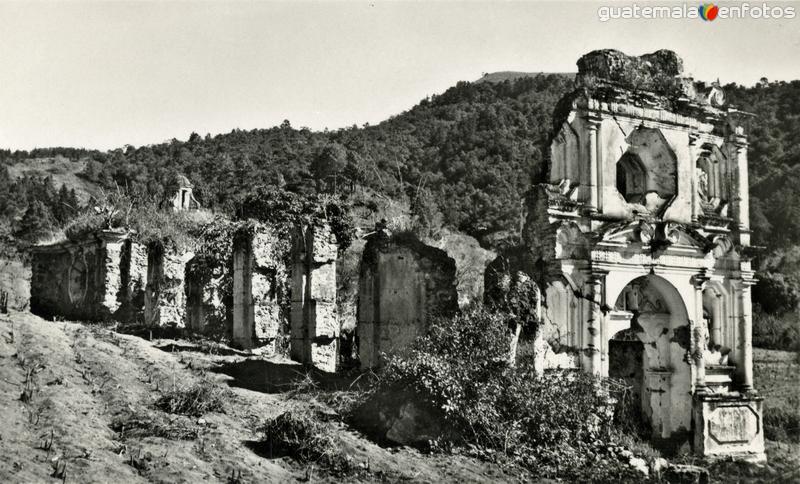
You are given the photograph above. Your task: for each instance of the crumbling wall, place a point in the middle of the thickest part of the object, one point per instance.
(207, 285)
(314, 318)
(133, 282)
(165, 296)
(403, 283)
(260, 295)
(90, 279)
(15, 282)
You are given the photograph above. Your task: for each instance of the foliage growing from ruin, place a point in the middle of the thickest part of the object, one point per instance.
(143, 218)
(553, 425)
(286, 210)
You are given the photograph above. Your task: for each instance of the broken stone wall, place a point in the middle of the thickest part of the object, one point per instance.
(208, 287)
(403, 283)
(91, 279)
(165, 296)
(314, 318)
(260, 291)
(552, 343)
(133, 277)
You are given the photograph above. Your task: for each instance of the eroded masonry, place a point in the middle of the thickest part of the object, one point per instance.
(636, 247)
(639, 234)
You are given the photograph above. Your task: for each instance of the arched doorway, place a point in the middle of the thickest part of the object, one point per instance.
(650, 355)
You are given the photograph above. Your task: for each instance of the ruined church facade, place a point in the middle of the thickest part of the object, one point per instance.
(639, 235)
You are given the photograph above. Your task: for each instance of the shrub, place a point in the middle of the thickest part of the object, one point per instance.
(306, 437)
(776, 331)
(776, 293)
(194, 399)
(140, 425)
(551, 424)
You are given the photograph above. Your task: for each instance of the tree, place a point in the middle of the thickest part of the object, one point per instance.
(328, 163)
(35, 224)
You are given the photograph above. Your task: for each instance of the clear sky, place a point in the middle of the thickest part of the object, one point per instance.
(101, 75)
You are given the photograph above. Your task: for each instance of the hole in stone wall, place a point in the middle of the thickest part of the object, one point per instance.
(631, 178)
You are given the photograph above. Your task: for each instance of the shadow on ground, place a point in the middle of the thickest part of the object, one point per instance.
(211, 350)
(275, 377)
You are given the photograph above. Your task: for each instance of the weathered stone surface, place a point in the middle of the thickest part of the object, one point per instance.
(315, 325)
(731, 425)
(206, 282)
(133, 275)
(685, 474)
(91, 279)
(260, 293)
(403, 283)
(658, 72)
(165, 295)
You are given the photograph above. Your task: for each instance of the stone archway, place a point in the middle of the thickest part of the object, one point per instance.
(650, 354)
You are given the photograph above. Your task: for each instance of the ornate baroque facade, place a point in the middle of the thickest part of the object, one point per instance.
(639, 232)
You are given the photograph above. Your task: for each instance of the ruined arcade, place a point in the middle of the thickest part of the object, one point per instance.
(640, 230)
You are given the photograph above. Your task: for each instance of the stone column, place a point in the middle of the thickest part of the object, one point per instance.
(314, 321)
(696, 209)
(111, 243)
(242, 331)
(699, 341)
(595, 170)
(323, 321)
(716, 320)
(746, 336)
(741, 188)
(594, 329)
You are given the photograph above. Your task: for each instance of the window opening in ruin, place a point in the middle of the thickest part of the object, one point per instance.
(631, 178)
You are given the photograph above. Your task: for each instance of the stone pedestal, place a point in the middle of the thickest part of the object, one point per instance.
(729, 425)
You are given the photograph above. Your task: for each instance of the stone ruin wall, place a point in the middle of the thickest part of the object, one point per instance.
(403, 283)
(285, 292)
(259, 288)
(209, 296)
(314, 319)
(553, 345)
(283, 296)
(165, 295)
(94, 279)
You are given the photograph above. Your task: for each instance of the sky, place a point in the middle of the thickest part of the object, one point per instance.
(105, 74)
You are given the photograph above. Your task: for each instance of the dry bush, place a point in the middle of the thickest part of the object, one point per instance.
(194, 399)
(142, 425)
(307, 437)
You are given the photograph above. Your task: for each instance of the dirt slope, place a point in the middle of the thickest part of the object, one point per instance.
(88, 414)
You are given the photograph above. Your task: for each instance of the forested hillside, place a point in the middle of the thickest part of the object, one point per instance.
(464, 157)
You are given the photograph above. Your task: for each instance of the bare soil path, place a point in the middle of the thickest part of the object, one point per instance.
(77, 404)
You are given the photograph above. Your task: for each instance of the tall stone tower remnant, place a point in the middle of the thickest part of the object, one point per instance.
(639, 233)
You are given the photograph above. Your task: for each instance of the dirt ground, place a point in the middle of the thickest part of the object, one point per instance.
(77, 404)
